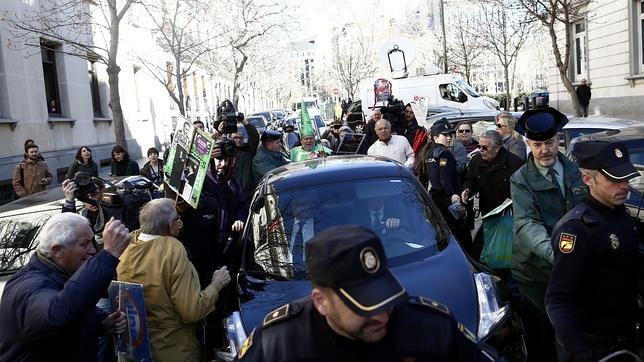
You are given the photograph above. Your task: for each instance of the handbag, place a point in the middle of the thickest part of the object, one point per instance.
(497, 240)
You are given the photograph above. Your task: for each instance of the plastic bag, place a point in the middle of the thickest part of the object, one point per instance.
(497, 239)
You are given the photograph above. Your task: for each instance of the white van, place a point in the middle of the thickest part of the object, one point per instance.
(309, 102)
(434, 90)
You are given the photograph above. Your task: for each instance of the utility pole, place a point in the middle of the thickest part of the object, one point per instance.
(442, 8)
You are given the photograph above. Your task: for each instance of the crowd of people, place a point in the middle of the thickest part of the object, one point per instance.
(572, 265)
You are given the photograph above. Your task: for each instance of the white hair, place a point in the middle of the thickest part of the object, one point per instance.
(61, 229)
(156, 216)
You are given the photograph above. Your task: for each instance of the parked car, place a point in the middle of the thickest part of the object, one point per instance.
(581, 126)
(633, 139)
(422, 252)
(20, 223)
(259, 122)
(268, 116)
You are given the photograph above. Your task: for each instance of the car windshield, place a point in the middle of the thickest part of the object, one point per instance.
(466, 87)
(291, 215)
(258, 122)
(18, 238)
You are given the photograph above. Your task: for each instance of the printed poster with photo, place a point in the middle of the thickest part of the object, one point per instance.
(182, 139)
(196, 167)
(134, 343)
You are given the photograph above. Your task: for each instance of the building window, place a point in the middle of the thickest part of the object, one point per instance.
(52, 93)
(579, 50)
(93, 85)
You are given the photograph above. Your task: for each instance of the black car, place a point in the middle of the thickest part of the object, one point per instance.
(301, 199)
(633, 139)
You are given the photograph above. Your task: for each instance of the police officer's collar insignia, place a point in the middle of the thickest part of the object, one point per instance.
(567, 243)
(431, 304)
(244, 348)
(618, 153)
(276, 315)
(614, 241)
(369, 260)
(442, 162)
(467, 333)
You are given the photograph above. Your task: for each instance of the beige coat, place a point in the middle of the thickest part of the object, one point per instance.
(174, 301)
(33, 172)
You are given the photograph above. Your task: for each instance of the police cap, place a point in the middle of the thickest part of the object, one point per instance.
(541, 124)
(441, 127)
(270, 135)
(351, 260)
(609, 158)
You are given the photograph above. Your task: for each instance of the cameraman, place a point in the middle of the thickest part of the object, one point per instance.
(90, 195)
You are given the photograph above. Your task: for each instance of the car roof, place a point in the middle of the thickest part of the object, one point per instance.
(467, 115)
(601, 122)
(614, 135)
(50, 199)
(333, 169)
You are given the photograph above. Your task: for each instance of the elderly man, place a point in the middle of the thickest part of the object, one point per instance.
(543, 190)
(48, 309)
(269, 155)
(391, 146)
(309, 148)
(358, 311)
(174, 299)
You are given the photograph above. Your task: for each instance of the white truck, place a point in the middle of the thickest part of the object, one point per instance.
(433, 90)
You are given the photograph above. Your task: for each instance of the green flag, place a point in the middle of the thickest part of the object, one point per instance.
(306, 127)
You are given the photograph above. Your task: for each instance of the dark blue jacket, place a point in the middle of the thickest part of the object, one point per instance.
(45, 316)
(265, 161)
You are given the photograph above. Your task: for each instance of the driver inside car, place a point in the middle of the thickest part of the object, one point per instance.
(381, 215)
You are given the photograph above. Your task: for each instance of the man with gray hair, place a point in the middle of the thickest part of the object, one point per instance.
(48, 309)
(174, 298)
(391, 146)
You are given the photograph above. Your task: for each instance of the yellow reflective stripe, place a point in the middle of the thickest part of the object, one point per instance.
(365, 308)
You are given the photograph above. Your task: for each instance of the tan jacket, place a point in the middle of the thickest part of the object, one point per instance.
(33, 173)
(174, 301)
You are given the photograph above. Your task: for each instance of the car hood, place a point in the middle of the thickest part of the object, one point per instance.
(446, 277)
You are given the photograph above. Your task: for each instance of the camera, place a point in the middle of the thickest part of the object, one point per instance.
(227, 114)
(228, 149)
(86, 185)
(394, 112)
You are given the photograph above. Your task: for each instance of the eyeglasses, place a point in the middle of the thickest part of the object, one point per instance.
(485, 148)
(499, 125)
(464, 131)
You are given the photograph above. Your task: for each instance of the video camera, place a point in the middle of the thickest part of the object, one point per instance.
(227, 114)
(394, 112)
(125, 199)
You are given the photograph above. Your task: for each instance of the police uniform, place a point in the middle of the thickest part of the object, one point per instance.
(418, 329)
(592, 294)
(443, 174)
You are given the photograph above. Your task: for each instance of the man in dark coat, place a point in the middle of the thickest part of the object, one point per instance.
(583, 95)
(269, 155)
(245, 154)
(48, 309)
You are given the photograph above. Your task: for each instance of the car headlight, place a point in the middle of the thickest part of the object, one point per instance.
(490, 311)
(235, 332)
(489, 104)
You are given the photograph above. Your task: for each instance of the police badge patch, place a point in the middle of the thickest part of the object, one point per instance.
(442, 162)
(567, 243)
(244, 348)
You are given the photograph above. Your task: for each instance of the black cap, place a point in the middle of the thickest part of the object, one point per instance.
(351, 260)
(441, 126)
(541, 124)
(270, 135)
(611, 159)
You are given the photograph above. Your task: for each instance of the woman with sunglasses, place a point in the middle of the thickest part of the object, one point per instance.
(512, 140)
(464, 136)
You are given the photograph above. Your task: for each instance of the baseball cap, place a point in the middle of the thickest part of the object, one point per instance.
(610, 158)
(351, 260)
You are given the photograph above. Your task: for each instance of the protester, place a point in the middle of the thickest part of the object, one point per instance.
(583, 95)
(174, 298)
(358, 311)
(153, 169)
(592, 294)
(332, 134)
(415, 134)
(290, 138)
(512, 140)
(31, 175)
(464, 136)
(90, 195)
(543, 190)
(369, 131)
(391, 146)
(82, 163)
(269, 155)
(48, 308)
(121, 164)
(199, 125)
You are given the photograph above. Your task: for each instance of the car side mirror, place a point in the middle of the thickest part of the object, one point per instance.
(258, 204)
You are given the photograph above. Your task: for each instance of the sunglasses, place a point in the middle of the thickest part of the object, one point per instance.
(464, 131)
(499, 125)
(485, 148)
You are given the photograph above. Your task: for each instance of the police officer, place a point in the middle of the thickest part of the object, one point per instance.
(592, 294)
(358, 311)
(269, 154)
(443, 181)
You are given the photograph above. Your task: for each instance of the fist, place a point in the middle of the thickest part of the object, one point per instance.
(116, 237)
(220, 278)
(69, 189)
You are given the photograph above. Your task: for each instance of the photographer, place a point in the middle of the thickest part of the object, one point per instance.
(89, 193)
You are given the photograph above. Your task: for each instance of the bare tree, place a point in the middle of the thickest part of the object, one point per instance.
(247, 25)
(89, 30)
(179, 30)
(352, 61)
(465, 48)
(556, 15)
(503, 32)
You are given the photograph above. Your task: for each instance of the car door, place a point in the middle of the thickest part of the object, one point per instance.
(452, 96)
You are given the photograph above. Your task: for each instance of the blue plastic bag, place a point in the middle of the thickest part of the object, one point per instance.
(497, 241)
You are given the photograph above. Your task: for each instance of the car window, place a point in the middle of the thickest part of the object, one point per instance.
(576, 132)
(18, 239)
(637, 158)
(291, 214)
(258, 122)
(452, 93)
(469, 90)
(318, 121)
